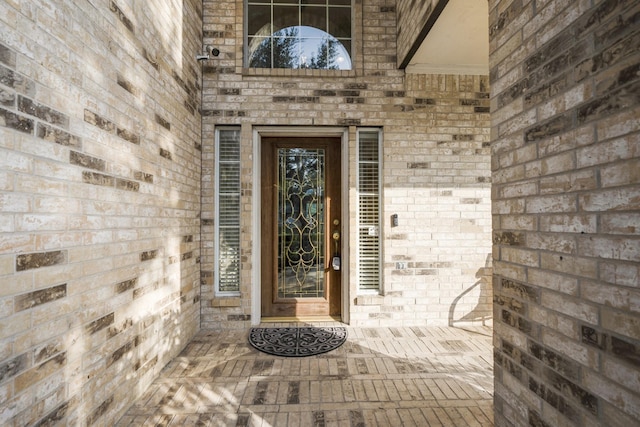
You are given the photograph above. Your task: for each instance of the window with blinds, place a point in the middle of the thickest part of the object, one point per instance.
(368, 217)
(227, 233)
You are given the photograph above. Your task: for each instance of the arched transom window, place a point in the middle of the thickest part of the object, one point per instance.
(299, 34)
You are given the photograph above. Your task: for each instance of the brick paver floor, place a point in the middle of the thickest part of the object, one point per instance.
(412, 376)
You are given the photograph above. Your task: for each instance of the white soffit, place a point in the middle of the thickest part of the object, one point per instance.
(458, 43)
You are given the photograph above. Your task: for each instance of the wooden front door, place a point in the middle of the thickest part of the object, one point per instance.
(300, 227)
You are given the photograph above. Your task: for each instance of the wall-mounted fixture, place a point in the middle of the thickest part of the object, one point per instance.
(209, 52)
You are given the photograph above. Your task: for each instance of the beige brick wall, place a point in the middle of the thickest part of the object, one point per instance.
(436, 176)
(99, 203)
(565, 154)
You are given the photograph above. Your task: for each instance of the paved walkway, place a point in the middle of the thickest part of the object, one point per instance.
(379, 377)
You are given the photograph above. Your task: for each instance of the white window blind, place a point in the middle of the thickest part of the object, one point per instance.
(227, 236)
(368, 190)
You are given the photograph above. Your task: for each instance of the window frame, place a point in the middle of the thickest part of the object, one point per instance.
(380, 223)
(217, 213)
(294, 71)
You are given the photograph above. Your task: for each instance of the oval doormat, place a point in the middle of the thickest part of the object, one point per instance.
(297, 342)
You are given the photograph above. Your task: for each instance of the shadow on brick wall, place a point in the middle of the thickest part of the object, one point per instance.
(483, 311)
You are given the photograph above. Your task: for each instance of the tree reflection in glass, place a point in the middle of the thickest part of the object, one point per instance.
(299, 47)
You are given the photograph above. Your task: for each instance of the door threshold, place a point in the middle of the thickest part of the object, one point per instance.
(305, 319)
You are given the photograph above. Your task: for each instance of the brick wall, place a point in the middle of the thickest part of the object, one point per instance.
(436, 167)
(436, 179)
(99, 203)
(565, 87)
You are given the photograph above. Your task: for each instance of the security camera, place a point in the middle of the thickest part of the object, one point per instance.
(210, 51)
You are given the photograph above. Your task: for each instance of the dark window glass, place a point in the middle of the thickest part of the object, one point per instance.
(284, 17)
(313, 16)
(259, 21)
(340, 22)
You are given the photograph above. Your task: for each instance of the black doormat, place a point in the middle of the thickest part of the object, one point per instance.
(297, 342)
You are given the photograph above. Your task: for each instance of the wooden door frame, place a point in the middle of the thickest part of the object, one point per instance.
(274, 305)
(258, 132)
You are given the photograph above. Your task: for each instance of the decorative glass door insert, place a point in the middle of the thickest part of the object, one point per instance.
(301, 224)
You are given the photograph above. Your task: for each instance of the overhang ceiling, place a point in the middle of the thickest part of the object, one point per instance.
(458, 42)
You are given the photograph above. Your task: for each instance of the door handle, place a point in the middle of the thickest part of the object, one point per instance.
(336, 233)
(336, 241)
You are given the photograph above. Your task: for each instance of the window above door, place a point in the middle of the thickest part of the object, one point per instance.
(299, 34)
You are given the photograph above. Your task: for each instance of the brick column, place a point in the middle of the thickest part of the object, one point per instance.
(565, 102)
